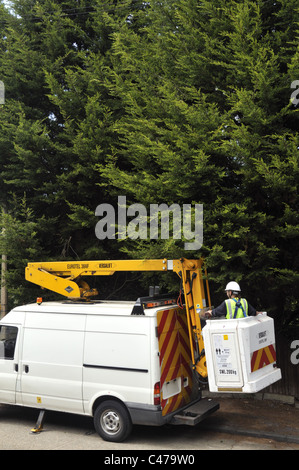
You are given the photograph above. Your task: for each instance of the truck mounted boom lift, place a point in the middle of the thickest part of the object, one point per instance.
(127, 363)
(65, 278)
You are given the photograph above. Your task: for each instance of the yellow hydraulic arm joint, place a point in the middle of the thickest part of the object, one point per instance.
(65, 278)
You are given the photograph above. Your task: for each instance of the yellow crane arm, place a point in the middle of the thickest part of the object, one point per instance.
(65, 278)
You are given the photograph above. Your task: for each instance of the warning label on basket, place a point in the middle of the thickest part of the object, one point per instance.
(224, 356)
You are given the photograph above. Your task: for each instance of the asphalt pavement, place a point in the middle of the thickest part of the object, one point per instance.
(267, 419)
(239, 424)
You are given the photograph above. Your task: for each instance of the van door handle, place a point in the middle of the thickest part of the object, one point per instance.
(26, 369)
(16, 366)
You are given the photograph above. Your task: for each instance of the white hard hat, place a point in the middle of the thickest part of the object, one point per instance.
(234, 286)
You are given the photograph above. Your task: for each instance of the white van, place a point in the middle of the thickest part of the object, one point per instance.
(123, 363)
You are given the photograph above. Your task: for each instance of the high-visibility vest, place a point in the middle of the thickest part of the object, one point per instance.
(236, 308)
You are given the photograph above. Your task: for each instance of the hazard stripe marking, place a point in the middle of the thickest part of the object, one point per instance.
(175, 357)
(167, 338)
(263, 357)
(170, 363)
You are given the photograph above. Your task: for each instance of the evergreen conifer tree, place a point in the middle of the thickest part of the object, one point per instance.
(180, 102)
(206, 89)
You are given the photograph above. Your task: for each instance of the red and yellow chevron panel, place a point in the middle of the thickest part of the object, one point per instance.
(175, 357)
(263, 357)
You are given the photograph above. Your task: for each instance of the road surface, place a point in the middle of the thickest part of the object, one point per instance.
(72, 432)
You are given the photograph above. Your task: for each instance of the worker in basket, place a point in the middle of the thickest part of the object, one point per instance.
(234, 306)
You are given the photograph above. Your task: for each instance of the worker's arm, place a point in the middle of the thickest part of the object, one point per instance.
(219, 311)
(251, 310)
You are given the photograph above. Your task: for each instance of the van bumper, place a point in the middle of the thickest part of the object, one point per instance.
(191, 414)
(149, 415)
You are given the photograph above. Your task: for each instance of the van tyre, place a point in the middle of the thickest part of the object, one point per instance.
(112, 421)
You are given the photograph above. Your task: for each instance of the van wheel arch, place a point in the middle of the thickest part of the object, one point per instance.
(103, 398)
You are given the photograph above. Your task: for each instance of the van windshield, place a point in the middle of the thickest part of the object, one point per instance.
(8, 337)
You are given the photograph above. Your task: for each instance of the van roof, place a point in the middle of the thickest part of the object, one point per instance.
(93, 307)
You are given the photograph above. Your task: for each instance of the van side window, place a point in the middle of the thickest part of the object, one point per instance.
(8, 337)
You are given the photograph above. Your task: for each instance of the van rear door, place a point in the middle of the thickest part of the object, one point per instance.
(177, 384)
(9, 362)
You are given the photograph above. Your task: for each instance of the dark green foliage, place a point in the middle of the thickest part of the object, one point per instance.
(181, 102)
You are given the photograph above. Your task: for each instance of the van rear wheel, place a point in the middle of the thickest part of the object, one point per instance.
(112, 421)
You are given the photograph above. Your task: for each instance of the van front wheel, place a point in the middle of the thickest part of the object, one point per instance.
(112, 421)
